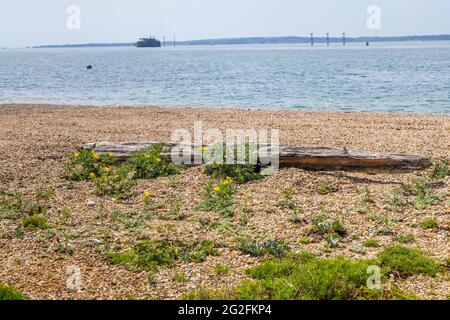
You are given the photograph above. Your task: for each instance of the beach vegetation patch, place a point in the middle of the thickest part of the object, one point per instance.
(175, 211)
(11, 205)
(397, 200)
(237, 161)
(114, 181)
(287, 201)
(150, 255)
(221, 269)
(323, 189)
(302, 277)
(152, 162)
(430, 223)
(82, 164)
(440, 170)
(35, 222)
(404, 262)
(218, 196)
(404, 238)
(8, 292)
(277, 248)
(425, 196)
(371, 243)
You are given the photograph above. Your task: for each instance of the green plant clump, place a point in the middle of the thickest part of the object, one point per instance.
(302, 277)
(371, 243)
(81, 165)
(150, 255)
(115, 181)
(35, 222)
(11, 205)
(429, 223)
(405, 262)
(8, 292)
(256, 248)
(236, 161)
(404, 238)
(152, 163)
(440, 170)
(218, 196)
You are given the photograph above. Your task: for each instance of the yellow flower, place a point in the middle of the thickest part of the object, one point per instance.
(110, 154)
(227, 181)
(107, 170)
(77, 155)
(216, 189)
(204, 149)
(158, 159)
(147, 156)
(146, 194)
(92, 175)
(95, 155)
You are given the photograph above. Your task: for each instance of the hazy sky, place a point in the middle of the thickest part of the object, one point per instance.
(33, 22)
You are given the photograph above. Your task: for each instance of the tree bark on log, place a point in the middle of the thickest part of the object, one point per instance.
(311, 158)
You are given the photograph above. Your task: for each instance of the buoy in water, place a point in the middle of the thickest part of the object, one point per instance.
(89, 67)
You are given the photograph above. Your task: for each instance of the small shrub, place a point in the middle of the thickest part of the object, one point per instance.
(8, 292)
(180, 277)
(404, 238)
(323, 189)
(406, 262)
(424, 194)
(429, 223)
(175, 211)
(221, 269)
(65, 248)
(371, 243)
(304, 277)
(367, 195)
(10, 205)
(287, 201)
(296, 219)
(82, 164)
(152, 163)
(324, 226)
(114, 181)
(35, 222)
(243, 167)
(397, 200)
(440, 170)
(151, 254)
(256, 248)
(218, 196)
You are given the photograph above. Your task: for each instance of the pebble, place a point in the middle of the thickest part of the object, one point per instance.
(90, 203)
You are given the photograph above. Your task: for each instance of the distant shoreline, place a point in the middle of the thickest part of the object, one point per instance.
(265, 40)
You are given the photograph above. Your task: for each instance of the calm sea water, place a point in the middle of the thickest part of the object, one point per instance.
(403, 77)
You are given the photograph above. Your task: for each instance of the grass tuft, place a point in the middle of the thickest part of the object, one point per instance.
(8, 292)
(405, 262)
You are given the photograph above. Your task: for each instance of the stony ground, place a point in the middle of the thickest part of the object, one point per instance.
(34, 140)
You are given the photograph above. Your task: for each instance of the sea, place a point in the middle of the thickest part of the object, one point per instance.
(406, 77)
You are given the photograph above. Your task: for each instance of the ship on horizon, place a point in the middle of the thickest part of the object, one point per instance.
(150, 42)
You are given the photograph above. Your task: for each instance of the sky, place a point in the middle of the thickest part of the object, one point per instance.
(35, 22)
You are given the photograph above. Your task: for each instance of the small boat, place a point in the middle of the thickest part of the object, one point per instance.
(150, 42)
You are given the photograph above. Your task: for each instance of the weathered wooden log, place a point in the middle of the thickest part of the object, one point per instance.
(312, 158)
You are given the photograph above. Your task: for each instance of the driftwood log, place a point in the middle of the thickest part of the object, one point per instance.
(312, 158)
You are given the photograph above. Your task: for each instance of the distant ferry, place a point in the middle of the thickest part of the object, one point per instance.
(148, 43)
